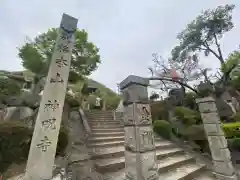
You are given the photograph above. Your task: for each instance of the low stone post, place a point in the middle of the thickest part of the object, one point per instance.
(140, 151)
(45, 136)
(221, 157)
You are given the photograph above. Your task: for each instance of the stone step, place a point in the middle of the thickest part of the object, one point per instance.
(173, 162)
(163, 153)
(120, 175)
(115, 164)
(164, 144)
(104, 122)
(110, 152)
(94, 117)
(104, 134)
(184, 172)
(205, 176)
(110, 164)
(103, 130)
(106, 144)
(118, 151)
(106, 139)
(98, 111)
(100, 117)
(107, 126)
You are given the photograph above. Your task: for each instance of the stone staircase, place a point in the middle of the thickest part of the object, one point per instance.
(107, 145)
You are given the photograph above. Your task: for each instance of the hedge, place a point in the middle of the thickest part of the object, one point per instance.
(162, 128)
(187, 116)
(15, 140)
(232, 130)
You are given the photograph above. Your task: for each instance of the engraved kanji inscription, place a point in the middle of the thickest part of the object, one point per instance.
(61, 62)
(49, 123)
(66, 36)
(57, 79)
(147, 138)
(63, 48)
(53, 105)
(145, 115)
(44, 144)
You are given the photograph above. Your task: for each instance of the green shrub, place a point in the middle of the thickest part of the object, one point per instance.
(73, 102)
(15, 140)
(14, 143)
(187, 116)
(232, 130)
(163, 128)
(62, 141)
(195, 132)
(235, 143)
(189, 100)
(9, 87)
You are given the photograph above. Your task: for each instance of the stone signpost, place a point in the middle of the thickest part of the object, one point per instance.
(140, 151)
(221, 157)
(45, 137)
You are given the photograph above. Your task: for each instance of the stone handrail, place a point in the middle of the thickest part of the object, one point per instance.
(85, 121)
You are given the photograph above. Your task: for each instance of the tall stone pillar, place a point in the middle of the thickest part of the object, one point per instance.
(223, 168)
(140, 151)
(45, 137)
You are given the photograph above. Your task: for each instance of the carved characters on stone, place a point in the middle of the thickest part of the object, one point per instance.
(53, 105)
(66, 36)
(44, 144)
(46, 130)
(144, 114)
(49, 123)
(63, 48)
(146, 138)
(57, 79)
(61, 62)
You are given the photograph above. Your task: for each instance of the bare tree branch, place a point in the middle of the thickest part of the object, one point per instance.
(175, 81)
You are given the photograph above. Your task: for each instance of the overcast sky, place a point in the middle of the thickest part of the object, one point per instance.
(126, 31)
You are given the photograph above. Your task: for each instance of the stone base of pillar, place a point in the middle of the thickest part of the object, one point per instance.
(225, 177)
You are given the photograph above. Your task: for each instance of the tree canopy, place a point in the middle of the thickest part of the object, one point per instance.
(232, 62)
(36, 54)
(204, 33)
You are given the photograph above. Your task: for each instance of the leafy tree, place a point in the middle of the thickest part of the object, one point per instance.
(205, 32)
(201, 35)
(36, 54)
(231, 64)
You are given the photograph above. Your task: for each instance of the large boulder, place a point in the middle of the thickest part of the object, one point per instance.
(30, 99)
(18, 113)
(13, 101)
(224, 109)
